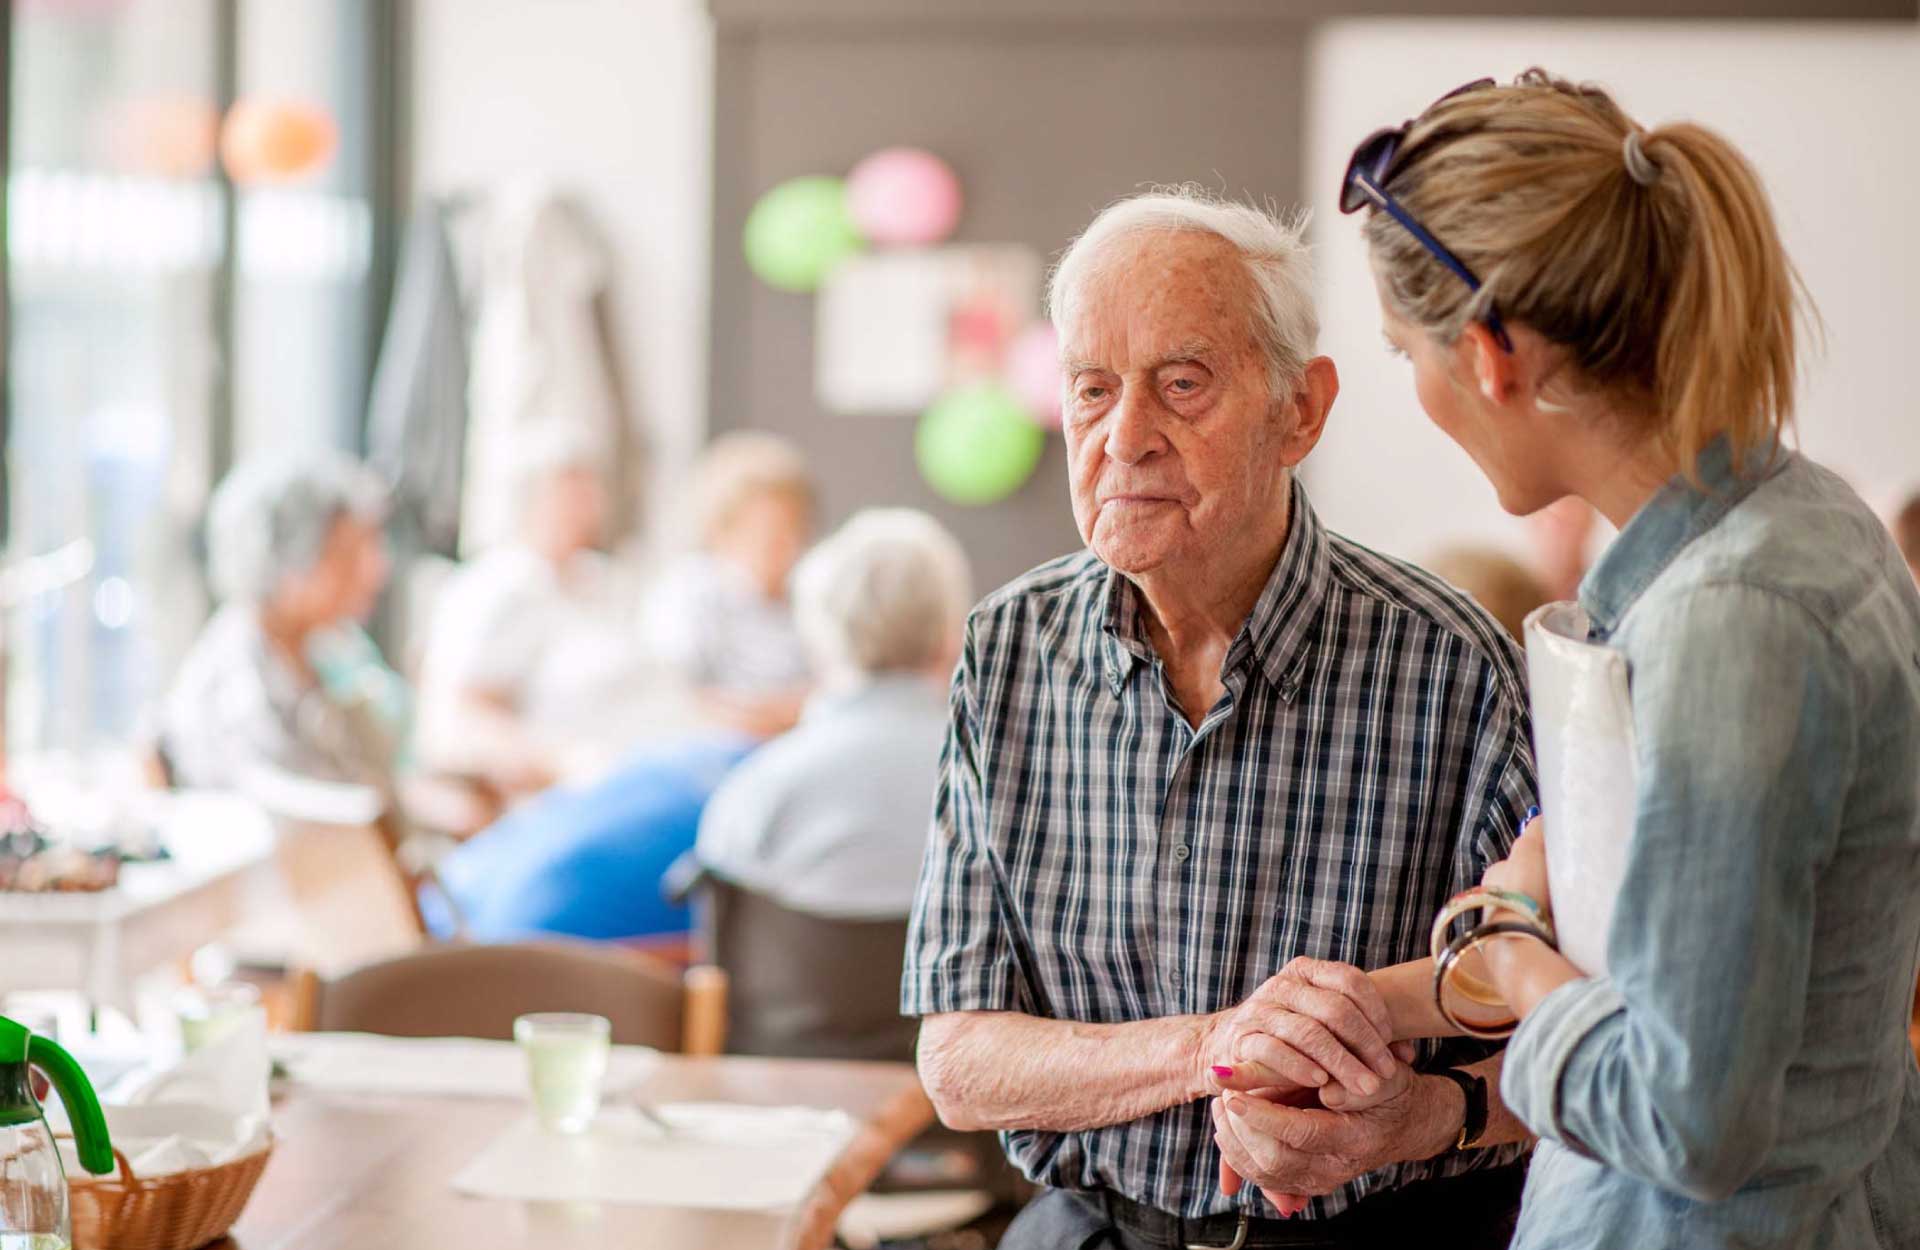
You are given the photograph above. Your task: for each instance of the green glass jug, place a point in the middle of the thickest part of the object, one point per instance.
(33, 1188)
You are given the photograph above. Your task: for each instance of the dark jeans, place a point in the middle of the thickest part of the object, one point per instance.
(1472, 1212)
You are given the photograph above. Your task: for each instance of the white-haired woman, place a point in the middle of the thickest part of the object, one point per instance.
(830, 819)
(298, 560)
(720, 617)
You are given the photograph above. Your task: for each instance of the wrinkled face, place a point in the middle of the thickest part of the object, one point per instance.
(1173, 436)
(1508, 442)
(345, 582)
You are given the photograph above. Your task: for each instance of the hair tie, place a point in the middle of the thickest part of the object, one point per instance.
(1640, 166)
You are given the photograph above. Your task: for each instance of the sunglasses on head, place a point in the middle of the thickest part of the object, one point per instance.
(1366, 185)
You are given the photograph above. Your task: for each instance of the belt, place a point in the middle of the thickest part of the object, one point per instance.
(1227, 1231)
(1487, 1196)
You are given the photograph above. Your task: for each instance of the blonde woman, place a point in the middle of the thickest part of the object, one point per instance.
(720, 616)
(1595, 309)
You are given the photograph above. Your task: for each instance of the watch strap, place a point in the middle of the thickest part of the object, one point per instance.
(1474, 1089)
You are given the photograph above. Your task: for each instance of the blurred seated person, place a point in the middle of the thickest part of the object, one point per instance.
(831, 817)
(283, 690)
(585, 861)
(1501, 584)
(1906, 534)
(528, 658)
(720, 616)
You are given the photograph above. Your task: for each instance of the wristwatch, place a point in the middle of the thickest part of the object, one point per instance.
(1474, 1088)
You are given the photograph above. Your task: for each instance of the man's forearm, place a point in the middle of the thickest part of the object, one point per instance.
(1502, 1125)
(1004, 1070)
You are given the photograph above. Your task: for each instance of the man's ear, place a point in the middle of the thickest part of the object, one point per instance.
(1495, 371)
(1312, 400)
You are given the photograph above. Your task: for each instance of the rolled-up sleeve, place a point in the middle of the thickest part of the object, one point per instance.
(1673, 1066)
(959, 956)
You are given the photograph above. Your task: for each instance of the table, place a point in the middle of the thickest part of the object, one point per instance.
(356, 1170)
(222, 847)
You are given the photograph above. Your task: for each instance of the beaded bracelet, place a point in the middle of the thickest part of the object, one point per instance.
(1489, 899)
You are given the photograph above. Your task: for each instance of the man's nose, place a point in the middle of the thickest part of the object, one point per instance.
(1134, 432)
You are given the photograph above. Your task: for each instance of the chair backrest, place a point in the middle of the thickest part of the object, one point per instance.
(352, 901)
(803, 985)
(476, 991)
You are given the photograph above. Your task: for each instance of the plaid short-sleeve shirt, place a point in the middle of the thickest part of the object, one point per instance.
(1095, 858)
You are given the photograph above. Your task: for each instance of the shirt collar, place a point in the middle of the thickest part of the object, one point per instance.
(1278, 633)
(1678, 513)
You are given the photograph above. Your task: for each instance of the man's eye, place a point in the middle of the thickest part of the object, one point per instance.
(1185, 386)
(1088, 394)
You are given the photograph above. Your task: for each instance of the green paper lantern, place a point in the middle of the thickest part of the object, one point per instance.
(799, 231)
(977, 445)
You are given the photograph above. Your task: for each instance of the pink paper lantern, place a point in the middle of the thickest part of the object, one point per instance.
(903, 196)
(1033, 372)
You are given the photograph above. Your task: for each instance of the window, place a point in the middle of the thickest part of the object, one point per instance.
(163, 319)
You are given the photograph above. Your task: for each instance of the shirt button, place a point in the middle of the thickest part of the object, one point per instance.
(1180, 853)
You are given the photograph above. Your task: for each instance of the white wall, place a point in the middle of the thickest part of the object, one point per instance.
(1827, 113)
(611, 99)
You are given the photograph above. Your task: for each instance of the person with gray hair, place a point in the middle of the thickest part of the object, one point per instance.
(829, 818)
(297, 558)
(1195, 774)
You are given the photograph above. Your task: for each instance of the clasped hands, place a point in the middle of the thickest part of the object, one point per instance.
(1313, 1091)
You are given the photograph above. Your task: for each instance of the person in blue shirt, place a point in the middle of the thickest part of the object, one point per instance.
(1595, 309)
(586, 861)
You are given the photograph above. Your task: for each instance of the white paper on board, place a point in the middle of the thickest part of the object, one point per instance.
(1584, 750)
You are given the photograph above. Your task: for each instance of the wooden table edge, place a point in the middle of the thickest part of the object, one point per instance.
(901, 1119)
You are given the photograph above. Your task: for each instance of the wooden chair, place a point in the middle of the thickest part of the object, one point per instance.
(461, 990)
(805, 986)
(817, 987)
(351, 899)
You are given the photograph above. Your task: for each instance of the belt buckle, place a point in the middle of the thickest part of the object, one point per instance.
(1239, 1237)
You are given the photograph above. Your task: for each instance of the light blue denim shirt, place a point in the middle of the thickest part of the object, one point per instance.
(1741, 1077)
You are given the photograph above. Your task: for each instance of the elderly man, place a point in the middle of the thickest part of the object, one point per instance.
(1196, 772)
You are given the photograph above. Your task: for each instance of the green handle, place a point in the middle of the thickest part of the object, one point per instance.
(83, 1108)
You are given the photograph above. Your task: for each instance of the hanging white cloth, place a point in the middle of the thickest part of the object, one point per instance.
(539, 356)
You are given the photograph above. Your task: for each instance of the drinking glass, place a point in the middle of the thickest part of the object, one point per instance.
(210, 1013)
(566, 1064)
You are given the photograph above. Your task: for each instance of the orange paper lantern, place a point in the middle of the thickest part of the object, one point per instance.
(276, 140)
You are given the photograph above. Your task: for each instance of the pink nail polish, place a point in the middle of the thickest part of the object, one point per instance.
(1222, 1071)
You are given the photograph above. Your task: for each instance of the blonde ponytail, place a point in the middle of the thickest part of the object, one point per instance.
(1727, 361)
(1651, 257)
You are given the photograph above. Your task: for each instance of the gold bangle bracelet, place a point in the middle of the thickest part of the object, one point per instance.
(1446, 969)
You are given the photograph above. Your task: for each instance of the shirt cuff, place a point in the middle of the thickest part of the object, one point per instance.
(1542, 1048)
(932, 994)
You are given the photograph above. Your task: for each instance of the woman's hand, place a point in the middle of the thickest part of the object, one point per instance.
(1524, 870)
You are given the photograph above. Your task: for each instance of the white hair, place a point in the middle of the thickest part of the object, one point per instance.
(1272, 247)
(887, 592)
(271, 516)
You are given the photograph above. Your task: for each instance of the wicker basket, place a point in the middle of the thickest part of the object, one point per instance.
(179, 1211)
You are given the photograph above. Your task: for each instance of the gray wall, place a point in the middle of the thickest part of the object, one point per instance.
(1044, 124)
(1048, 109)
